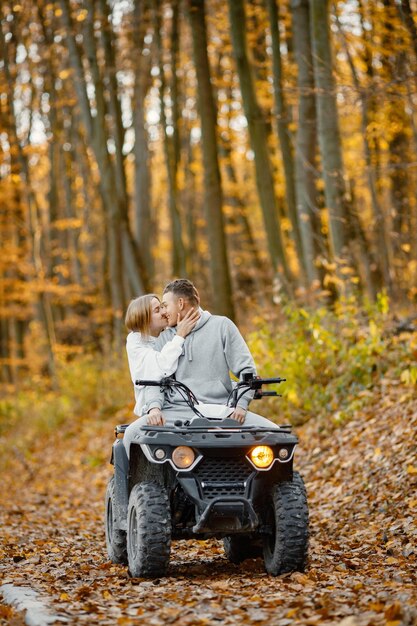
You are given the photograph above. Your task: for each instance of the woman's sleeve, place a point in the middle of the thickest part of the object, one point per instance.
(157, 365)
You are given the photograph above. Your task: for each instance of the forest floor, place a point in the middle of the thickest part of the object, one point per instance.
(361, 479)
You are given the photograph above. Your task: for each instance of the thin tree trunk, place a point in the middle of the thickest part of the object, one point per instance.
(71, 236)
(124, 257)
(33, 224)
(178, 249)
(142, 182)
(379, 226)
(96, 135)
(259, 141)
(329, 135)
(282, 120)
(306, 139)
(213, 193)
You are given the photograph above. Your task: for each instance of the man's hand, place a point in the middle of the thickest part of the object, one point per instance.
(239, 414)
(155, 417)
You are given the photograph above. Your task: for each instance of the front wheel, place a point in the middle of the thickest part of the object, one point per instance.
(148, 530)
(115, 538)
(285, 545)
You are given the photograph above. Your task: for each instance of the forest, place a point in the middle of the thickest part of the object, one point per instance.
(267, 151)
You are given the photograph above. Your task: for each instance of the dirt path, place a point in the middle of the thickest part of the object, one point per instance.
(361, 481)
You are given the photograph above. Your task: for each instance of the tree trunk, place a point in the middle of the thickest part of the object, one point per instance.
(124, 257)
(32, 209)
(282, 120)
(142, 192)
(171, 155)
(379, 227)
(259, 141)
(219, 266)
(306, 140)
(329, 136)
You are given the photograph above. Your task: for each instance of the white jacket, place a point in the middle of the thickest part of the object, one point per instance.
(145, 363)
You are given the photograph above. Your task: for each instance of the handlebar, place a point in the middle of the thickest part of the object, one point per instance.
(256, 382)
(249, 382)
(152, 383)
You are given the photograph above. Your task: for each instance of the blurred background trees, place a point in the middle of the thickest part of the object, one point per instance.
(265, 149)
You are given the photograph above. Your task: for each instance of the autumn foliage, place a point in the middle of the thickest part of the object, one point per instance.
(275, 166)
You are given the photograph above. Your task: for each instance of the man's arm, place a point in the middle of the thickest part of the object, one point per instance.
(239, 361)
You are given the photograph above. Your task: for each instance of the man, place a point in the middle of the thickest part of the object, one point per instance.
(212, 350)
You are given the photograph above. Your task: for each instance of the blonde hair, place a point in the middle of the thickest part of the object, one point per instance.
(139, 313)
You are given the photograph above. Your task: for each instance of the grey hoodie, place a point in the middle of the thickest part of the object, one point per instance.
(210, 352)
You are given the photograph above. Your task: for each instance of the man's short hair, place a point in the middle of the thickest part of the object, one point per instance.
(184, 288)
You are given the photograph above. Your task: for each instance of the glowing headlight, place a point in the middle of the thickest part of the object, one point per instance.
(262, 456)
(183, 457)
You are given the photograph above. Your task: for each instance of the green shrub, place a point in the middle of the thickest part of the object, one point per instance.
(332, 360)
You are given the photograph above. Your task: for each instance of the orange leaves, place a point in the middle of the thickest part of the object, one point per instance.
(361, 482)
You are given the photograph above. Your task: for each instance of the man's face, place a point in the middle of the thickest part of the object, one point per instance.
(171, 307)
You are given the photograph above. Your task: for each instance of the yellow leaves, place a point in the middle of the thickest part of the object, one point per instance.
(63, 74)
(82, 15)
(377, 453)
(409, 376)
(412, 470)
(64, 597)
(68, 223)
(292, 396)
(373, 329)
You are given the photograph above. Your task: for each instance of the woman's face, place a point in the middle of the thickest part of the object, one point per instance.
(158, 318)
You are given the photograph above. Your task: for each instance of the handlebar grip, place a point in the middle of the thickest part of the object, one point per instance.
(270, 381)
(148, 383)
(269, 393)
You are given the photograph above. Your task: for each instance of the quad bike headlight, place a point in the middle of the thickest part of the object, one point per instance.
(183, 457)
(261, 456)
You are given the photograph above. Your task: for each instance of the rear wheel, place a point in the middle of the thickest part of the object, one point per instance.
(148, 530)
(237, 548)
(115, 538)
(285, 545)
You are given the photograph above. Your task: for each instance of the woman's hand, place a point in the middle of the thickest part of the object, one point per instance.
(186, 325)
(155, 417)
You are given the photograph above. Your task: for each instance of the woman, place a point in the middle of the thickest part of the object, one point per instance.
(145, 320)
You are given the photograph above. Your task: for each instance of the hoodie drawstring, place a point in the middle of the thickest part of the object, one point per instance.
(190, 347)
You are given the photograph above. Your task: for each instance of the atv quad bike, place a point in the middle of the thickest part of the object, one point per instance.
(205, 478)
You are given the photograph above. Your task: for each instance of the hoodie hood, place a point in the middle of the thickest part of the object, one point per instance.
(189, 340)
(188, 345)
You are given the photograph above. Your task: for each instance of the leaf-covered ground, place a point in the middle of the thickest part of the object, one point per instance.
(361, 479)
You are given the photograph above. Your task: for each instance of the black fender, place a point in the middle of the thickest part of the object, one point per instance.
(121, 477)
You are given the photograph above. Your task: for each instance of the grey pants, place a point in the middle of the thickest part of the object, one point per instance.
(174, 413)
